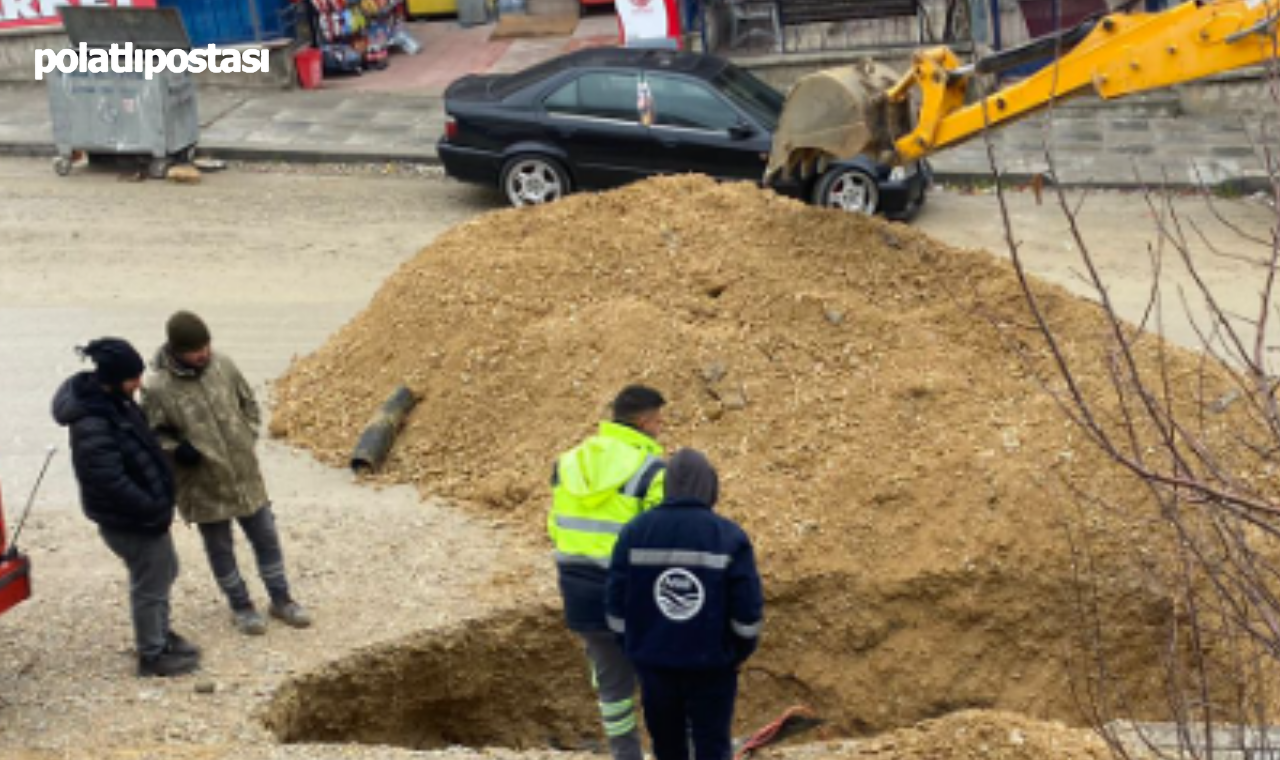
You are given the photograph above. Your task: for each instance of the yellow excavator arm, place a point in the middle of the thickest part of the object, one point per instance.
(1118, 55)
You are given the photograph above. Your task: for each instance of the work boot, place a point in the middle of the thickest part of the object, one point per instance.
(249, 621)
(179, 645)
(292, 613)
(166, 665)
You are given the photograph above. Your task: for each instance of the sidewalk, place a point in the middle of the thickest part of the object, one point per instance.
(397, 115)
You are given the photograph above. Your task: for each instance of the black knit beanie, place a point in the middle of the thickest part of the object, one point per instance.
(186, 333)
(114, 360)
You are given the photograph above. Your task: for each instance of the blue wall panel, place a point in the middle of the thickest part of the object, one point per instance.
(228, 22)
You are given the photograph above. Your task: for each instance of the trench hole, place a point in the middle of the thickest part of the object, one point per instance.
(865, 658)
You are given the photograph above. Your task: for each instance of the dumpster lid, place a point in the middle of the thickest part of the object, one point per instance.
(146, 28)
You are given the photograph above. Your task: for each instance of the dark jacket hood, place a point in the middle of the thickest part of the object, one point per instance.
(80, 396)
(690, 476)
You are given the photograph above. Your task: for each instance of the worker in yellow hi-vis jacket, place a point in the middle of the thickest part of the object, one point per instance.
(597, 488)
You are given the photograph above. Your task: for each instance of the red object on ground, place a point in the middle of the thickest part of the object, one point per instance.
(795, 720)
(15, 573)
(310, 65)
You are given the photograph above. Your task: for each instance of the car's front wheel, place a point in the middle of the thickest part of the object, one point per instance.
(848, 188)
(533, 180)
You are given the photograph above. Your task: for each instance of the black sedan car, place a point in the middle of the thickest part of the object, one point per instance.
(603, 117)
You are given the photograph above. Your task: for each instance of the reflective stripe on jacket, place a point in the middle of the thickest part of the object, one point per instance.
(597, 488)
(683, 589)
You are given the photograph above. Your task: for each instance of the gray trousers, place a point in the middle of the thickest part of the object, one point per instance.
(153, 567)
(615, 682)
(219, 545)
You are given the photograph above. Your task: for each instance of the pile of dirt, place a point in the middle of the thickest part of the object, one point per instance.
(905, 477)
(966, 735)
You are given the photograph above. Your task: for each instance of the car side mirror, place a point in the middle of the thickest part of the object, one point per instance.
(741, 131)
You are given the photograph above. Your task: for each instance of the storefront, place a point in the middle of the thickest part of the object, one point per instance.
(357, 35)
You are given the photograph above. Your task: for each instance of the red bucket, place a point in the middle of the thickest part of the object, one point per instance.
(310, 65)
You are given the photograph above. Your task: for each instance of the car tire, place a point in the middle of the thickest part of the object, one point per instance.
(532, 180)
(848, 188)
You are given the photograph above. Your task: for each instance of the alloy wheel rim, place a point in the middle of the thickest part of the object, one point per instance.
(852, 192)
(533, 182)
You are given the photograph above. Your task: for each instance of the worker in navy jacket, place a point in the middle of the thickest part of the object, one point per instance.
(685, 596)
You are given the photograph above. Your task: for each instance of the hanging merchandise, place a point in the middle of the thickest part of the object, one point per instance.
(342, 59)
(355, 35)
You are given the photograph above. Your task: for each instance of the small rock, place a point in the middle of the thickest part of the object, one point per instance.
(834, 316)
(1011, 440)
(734, 400)
(714, 372)
(206, 687)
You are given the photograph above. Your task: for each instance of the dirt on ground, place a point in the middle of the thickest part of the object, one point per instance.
(964, 735)
(450, 607)
(873, 400)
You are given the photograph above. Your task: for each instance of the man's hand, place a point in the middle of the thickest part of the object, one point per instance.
(187, 455)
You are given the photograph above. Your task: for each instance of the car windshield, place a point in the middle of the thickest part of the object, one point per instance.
(513, 83)
(758, 98)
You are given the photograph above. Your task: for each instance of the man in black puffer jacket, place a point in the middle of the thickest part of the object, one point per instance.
(126, 487)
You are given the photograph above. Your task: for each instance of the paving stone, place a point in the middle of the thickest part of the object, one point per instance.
(1236, 151)
(375, 136)
(1129, 125)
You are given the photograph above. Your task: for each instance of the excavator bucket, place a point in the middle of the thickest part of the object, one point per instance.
(837, 114)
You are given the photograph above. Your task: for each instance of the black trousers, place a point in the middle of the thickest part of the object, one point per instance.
(689, 707)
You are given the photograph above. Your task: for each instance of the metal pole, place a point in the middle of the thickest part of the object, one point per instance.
(995, 26)
(13, 545)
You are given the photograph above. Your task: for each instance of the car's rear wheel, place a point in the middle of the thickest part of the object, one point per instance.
(534, 180)
(849, 189)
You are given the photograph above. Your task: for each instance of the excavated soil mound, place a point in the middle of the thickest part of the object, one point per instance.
(905, 477)
(968, 735)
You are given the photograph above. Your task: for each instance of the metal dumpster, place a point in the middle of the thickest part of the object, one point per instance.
(124, 114)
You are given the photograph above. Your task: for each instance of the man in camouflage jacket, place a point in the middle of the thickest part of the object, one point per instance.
(205, 415)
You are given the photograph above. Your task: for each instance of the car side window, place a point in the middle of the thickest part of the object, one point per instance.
(599, 95)
(689, 105)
